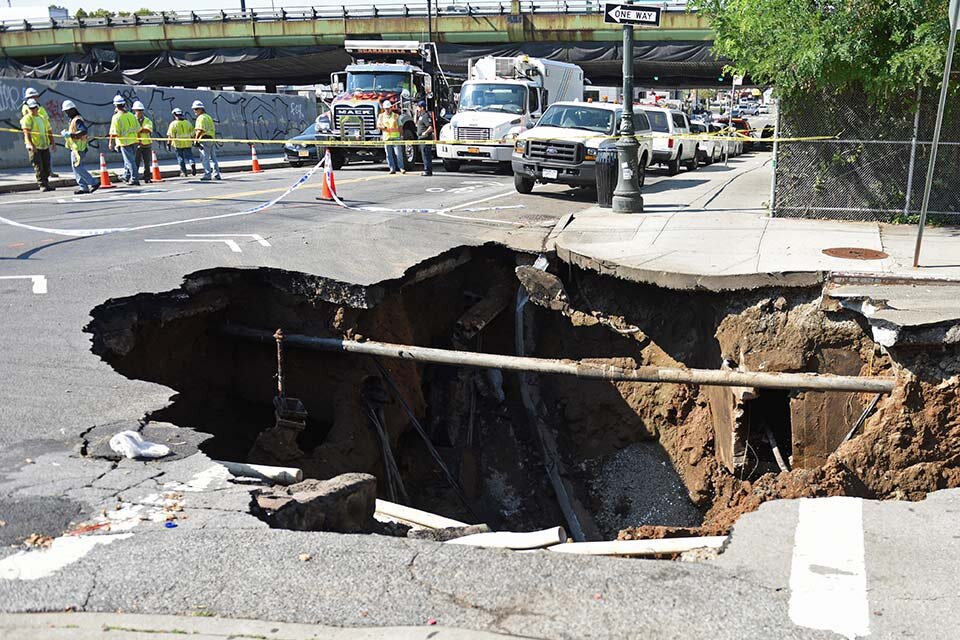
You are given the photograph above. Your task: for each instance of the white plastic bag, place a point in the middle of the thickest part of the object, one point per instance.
(132, 445)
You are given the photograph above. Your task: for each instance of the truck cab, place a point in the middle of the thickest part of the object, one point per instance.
(502, 97)
(399, 71)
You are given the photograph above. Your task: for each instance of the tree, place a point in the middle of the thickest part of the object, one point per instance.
(96, 13)
(882, 46)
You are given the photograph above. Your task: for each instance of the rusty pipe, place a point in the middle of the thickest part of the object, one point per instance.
(578, 368)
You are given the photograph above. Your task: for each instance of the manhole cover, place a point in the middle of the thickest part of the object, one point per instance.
(855, 253)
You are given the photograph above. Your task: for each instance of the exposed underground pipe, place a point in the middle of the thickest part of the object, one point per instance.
(277, 475)
(408, 515)
(641, 547)
(514, 540)
(578, 368)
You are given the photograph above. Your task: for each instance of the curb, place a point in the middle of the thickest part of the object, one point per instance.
(18, 187)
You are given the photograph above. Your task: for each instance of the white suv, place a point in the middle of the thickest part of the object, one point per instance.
(670, 150)
(562, 147)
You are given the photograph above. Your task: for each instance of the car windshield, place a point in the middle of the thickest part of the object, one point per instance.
(493, 97)
(697, 128)
(577, 117)
(388, 82)
(311, 130)
(658, 121)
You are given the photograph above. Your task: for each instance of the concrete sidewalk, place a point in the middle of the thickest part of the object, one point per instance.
(123, 626)
(15, 180)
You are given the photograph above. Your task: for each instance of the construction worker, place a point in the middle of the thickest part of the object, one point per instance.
(75, 139)
(123, 136)
(144, 140)
(204, 133)
(180, 137)
(38, 139)
(24, 110)
(425, 132)
(389, 124)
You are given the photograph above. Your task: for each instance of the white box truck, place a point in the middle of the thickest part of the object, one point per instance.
(502, 97)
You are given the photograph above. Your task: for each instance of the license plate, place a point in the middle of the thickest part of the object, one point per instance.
(304, 154)
(473, 150)
(550, 174)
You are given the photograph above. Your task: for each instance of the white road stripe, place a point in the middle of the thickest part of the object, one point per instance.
(828, 579)
(254, 236)
(230, 243)
(39, 282)
(445, 214)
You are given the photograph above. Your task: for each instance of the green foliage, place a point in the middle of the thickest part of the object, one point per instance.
(105, 13)
(887, 47)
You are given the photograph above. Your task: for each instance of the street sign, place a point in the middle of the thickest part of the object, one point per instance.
(737, 81)
(631, 14)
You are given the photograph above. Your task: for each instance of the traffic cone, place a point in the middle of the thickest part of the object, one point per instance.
(155, 169)
(104, 176)
(325, 188)
(328, 169)
(255, 163)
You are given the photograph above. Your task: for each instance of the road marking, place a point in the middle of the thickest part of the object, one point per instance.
(39, 282)
(255, 236)
(64, 551)
(828, 578)
(230, 243)
(445, 214)
(260, 192)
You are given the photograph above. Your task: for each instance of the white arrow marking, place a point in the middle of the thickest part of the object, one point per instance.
(230, 243)
(255, 236)
(39, 282)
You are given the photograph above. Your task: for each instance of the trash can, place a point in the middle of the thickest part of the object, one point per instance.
(606, 172)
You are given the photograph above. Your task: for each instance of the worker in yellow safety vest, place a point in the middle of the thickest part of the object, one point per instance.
(124, 128)
(388, 122)
(76, 140)
(205, 132)
(180, 138)
(25, 110)
(38, 139)
(144, 140)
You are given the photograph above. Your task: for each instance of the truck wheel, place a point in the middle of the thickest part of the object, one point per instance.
(522, 184)
(673, 166)
(451, 166)
(338, 159)
(694, 162)
(410, 150)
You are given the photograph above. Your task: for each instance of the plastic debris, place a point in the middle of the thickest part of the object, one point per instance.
(305, 557)
(170, 525)
(132, 445)
(432, 621)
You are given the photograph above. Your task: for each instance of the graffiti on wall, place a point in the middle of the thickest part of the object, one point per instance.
(238, 115)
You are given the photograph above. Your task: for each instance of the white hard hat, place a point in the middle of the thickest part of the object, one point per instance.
(177, 111)
(30, 93)
(31, 103)
(197, 105)
(67, 104)
(137, 106)
(387, 104)
(118, 100)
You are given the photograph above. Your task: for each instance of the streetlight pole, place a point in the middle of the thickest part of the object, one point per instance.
(429, 21)
(627, 197)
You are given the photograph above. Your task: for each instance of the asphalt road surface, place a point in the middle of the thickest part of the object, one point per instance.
(223, 561)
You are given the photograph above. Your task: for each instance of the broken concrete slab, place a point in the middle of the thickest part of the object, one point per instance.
(183, 443)
(344, 504)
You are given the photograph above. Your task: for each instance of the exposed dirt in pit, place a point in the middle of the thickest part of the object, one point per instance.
(909, 446)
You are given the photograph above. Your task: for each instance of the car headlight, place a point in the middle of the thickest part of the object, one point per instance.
(324, 126)
(519, 146)
(510, 136)
(591, 154)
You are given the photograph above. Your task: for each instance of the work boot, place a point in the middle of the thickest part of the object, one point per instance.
(94, 188)
(205, 179)
(46, 188)
(183, 174)
(80, 191)
(392, 172)
(193, 168)
(427, 173)
(53, 174)
(217, 177)
(403, 171)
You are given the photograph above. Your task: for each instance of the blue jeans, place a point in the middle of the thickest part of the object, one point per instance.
(394, 156)
(129, 154)
(426, 153)
(84, 180)
(185, 156)
(208, 155)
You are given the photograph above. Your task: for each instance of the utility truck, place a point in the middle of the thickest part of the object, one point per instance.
(502, 97)
(403, 72)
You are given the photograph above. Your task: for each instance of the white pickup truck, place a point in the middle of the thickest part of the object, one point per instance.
(668, 149)
(562, 147)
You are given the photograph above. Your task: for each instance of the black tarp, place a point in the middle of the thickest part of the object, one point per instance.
(673, 64)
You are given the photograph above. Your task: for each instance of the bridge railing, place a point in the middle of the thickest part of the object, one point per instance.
(417, 10)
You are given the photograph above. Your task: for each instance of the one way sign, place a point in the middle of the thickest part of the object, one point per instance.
(631, 14)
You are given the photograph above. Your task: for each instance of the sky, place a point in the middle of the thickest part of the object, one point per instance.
(187, 5)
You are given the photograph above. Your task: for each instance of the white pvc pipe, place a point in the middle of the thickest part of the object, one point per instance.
(277, 475)
(415, 517)
(641, 547)
(514, 540)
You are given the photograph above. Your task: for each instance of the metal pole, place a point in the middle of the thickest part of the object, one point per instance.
(429, 21)
(627, 197)
(913, 155)
(773, 163)
(580, 369)
(936, 129)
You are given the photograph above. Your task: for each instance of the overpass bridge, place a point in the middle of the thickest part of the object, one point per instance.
(304, 45)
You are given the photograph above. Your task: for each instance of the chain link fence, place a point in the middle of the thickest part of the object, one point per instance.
(876, 168)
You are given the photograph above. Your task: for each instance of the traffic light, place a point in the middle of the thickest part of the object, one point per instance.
(720, 79)
(656, 78)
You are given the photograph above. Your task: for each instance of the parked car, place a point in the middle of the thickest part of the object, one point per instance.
(297, 151)
(763, 109)
(743, 130)
(723, 147)
(562, 147)
(709, 148)
(670, 150)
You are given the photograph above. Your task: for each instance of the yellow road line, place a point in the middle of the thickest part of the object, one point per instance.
(243, 194)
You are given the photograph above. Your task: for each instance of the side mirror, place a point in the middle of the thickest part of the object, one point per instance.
(405, 94)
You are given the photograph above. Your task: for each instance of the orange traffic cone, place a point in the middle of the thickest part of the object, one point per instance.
(325, 188)
(155, 169)
(255, 163)
(328, 168)
(104, 176)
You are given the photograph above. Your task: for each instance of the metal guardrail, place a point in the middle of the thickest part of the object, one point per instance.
(482, 7)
